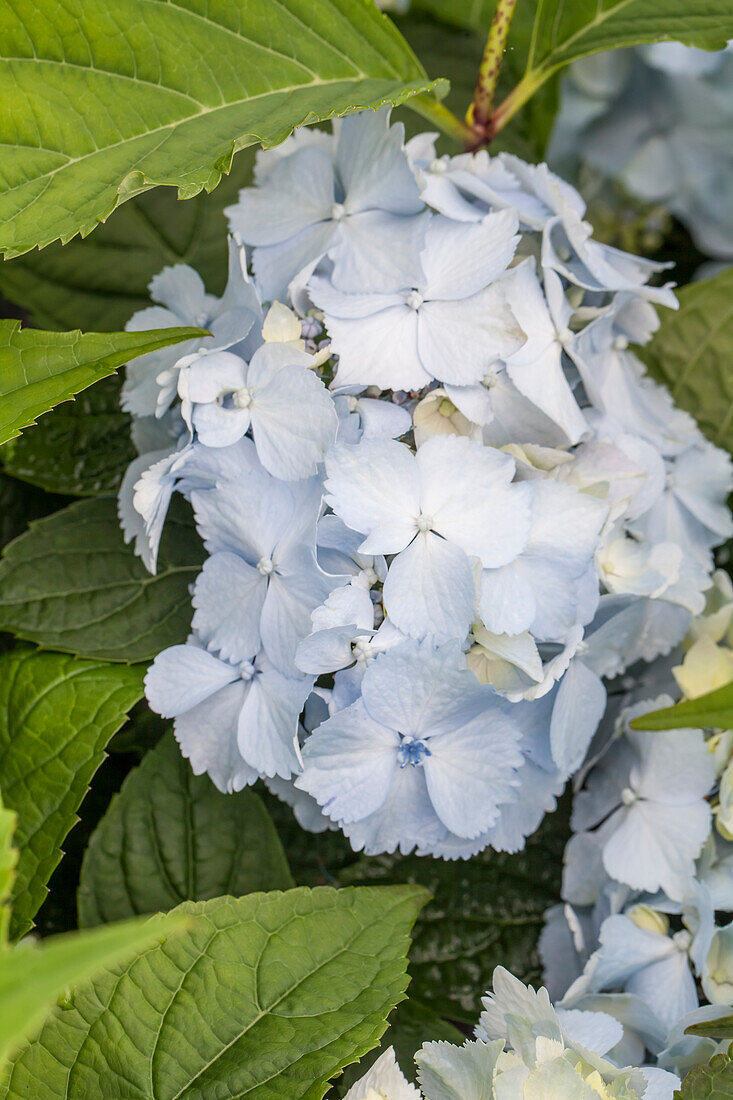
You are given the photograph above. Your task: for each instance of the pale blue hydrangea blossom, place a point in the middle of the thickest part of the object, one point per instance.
(428, 468)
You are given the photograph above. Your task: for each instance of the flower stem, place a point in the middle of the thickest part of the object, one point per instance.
(479, 114)
(516, 99)
(437, 113)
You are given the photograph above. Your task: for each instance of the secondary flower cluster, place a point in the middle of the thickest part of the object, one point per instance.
(644, 927)
(659, 119)
(441, 499)
(524, 1048)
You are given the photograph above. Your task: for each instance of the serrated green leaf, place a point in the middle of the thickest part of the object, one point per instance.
(722, 1028)
(102, 102)
(692, 351)
(40, 369)
(713, 1081)
(410, 1025)
(171, 836)
(56, 716)
(98, 283)
(711, 711)
(70, 583)
(486, 911)
(266, 997)
(567, 29)
(81, 448)
(33, 977)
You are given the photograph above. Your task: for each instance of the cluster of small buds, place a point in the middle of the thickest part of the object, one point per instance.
(442, 501)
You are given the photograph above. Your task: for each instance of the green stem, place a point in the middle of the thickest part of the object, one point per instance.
(478, 115)
(437, 113)
(516, 99)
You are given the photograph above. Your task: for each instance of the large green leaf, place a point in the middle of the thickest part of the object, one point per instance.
(711, 711)
(32, 978)
(410, 1025)
(40, 369)
(567, 29)
(56, 716)
(82, 448)
(485, 912)
(70, 583)
(692, 353)
(98, 283)
(713, 1081)
(101, 102)
(171, 836)
(266, 997)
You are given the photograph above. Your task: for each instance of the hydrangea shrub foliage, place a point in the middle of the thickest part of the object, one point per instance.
(401, 592)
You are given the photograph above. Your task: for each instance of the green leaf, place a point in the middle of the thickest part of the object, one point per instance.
(19, 505)
(98, 283)
(8, 863)
(410, 1025)
(315, 859)
(81, 448)
(33, 977)
(486, 911)
(104, 102)
(691, 353)
(711, 711)
(722, 1028)
(40, 369)
(70, 583)
(171, 836)
(56, 717)
(266, 997)
(567, 29)
(713, 1081)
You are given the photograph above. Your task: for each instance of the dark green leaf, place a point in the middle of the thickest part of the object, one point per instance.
(266, 997)
(19, 505)
(70, 583)
(691, 353)
(56, 716)
(40, 369)
(102, 102)
(711, 1082)
(485, 912)
(315, 859)
(81, 448)
(171, 836)
(711, 711)
(98, 283)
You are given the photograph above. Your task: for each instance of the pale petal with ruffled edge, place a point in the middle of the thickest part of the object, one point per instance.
(375, 485)
(429, 590)
(228, 597)
(183, 676)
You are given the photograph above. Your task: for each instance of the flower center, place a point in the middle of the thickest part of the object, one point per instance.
(564, 336)
(352, 402)
(438, 165)
(337, 211)
(265, 566)
(412, 752)
(628, 797)
(246, 670)
(621, 343)
(242, 399)
(414, 299)
(424, 523)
